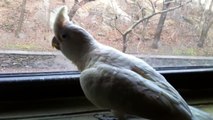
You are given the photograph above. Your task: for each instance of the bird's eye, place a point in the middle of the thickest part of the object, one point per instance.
(64, 36)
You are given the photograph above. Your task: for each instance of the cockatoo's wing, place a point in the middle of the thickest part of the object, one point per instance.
(127, 92)
(141, 68)
(146, 71)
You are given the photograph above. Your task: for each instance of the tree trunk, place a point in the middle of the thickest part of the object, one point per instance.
(204, 33)
(46, 7)
(21, 18)
(208, 21)
(124, 43)
(160, 25)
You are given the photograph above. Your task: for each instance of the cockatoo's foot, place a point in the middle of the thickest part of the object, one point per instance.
(105, 117)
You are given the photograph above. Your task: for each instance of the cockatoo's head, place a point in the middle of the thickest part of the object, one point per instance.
(70, 39)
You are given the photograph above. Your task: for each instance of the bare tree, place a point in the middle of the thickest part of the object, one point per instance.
(160, 25)
(207, 23)
(136, 23)
(76, 6)
(21, 18)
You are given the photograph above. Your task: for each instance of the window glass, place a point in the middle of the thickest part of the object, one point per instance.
(162, 32)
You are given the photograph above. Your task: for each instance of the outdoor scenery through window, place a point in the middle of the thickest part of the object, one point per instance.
(162, 32)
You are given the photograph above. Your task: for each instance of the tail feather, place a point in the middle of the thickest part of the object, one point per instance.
(199, 114)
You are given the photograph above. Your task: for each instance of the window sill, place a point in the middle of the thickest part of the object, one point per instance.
(72, 108)
(21, 86)
(57, 95)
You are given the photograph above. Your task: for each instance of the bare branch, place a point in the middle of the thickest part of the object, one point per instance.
(115, 26)
(153, 7)
(76, 6)
(118, 30)
(138, 4)
(141, 10)
(148, 17)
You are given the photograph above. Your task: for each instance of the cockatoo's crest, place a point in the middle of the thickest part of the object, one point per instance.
(61, 18)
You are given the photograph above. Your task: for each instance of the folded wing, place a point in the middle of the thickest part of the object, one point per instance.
(128, 92)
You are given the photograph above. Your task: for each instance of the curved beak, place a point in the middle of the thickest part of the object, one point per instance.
(55, 43)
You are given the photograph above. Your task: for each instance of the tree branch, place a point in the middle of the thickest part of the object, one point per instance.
(153, 7)
(138, 4)
(118, 30)
(76, 6)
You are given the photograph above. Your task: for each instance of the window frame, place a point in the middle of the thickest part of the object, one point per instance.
(47, 85)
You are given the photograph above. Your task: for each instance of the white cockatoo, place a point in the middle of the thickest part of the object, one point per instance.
(118, 81)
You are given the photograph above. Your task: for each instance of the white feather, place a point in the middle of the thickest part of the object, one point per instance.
(57, 14)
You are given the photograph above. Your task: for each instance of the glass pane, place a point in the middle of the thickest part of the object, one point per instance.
(163, 33)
